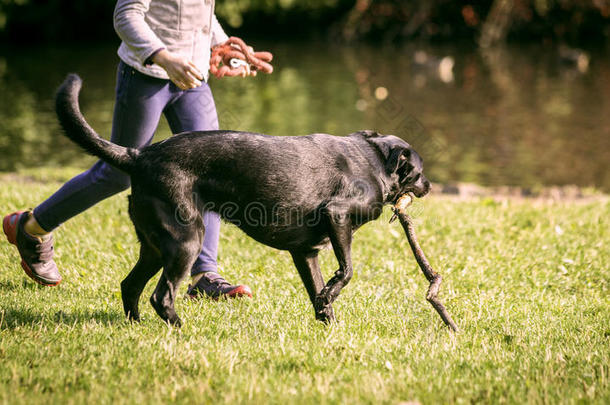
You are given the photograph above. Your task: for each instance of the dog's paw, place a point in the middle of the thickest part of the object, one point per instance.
(133, 316)
(324, 310)
(326, 316)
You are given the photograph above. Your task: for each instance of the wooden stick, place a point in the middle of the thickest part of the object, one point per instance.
(433, 277)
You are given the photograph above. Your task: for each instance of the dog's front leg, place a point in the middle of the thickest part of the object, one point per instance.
(340, 234)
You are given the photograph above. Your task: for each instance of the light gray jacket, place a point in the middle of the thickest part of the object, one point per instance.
(187, 27)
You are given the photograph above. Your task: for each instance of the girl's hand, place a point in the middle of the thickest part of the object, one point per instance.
(181, 71)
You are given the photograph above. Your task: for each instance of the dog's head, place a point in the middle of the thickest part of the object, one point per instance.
(402, 164)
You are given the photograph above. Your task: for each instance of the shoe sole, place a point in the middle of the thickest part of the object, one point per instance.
(11, 236)
(237, 292)
(7, 228)
(240, 291)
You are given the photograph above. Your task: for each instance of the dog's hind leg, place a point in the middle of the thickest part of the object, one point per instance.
(309, 270)
(340, 234)
(141, 212)
(178, 255)
(149, 263)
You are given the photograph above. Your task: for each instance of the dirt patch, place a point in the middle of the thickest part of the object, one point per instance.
(551, 193)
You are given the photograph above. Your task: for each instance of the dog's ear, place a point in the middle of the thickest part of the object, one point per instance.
(399, 157)
(396, 156)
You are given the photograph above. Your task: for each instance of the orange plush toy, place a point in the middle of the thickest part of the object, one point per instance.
(235, 58)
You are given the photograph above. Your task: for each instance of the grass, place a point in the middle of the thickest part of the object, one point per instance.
(528, 283)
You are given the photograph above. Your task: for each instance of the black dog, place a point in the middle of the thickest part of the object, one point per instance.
(291, 193)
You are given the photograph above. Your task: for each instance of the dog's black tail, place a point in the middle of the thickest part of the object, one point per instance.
(78, 130)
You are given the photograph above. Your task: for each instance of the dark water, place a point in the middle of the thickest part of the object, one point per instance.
(516, 116)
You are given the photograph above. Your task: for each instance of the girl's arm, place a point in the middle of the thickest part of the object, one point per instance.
(130, 25)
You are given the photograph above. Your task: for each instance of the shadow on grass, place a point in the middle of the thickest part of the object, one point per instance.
(12, 318)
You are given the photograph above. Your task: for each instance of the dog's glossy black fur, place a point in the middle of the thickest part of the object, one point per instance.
(291, 193)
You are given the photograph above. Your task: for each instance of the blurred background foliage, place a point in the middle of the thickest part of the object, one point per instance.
(570, 21)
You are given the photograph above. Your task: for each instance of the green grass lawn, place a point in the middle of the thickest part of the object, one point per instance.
(527, 282)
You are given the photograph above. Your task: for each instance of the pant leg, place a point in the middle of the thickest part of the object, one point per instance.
(194, 110)
(140, 99)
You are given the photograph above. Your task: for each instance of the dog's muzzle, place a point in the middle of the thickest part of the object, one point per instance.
(420, 188)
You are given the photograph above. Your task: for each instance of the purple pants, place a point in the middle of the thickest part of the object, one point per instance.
(140, 100)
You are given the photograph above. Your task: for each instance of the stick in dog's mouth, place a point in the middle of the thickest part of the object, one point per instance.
(433, 277)
(401, 204)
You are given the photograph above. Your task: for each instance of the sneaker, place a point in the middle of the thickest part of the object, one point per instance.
(36, 252)
(214, 286)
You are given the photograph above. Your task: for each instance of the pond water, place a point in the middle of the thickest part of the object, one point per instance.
(512, 116)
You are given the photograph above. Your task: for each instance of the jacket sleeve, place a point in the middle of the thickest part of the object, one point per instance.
(131, 27)
(218, 34)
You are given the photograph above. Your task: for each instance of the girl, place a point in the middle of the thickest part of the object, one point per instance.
(163, 68)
